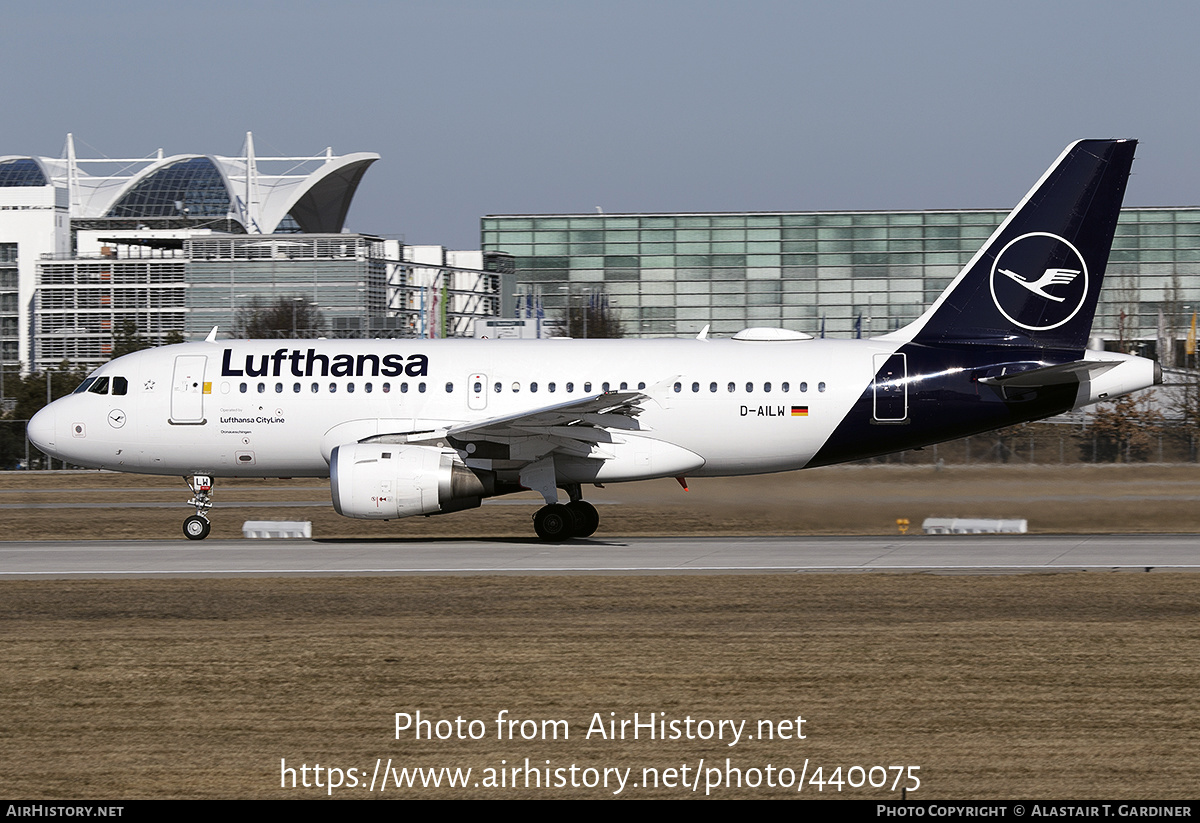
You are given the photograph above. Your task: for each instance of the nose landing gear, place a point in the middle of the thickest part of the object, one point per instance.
(197, 526)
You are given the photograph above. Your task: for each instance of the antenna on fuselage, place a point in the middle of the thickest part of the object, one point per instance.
(212, 336)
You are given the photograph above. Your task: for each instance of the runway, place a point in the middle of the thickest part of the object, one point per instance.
(973, 554)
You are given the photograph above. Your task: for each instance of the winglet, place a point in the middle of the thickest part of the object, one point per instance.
(212, 336)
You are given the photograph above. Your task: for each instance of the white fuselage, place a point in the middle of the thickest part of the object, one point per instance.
(741, 407)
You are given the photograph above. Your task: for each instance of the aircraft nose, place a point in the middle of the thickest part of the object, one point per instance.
(40, 429)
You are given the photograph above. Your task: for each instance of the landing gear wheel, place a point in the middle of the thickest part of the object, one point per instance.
(196, 527)
(587, 519)
(554, 523)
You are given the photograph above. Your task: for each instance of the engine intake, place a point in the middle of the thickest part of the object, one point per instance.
(373, 481)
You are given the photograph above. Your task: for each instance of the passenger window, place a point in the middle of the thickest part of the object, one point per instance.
(804, 387)
(749, 388)
(587, 387)
(533, 387)
(732, 387)
(695, 387)
(350, 388)
(279, 388)
(478, 387)
(242, 388)
(678, 388)
(404, 388)
(766, 387)
(449, 388)
(262, 387)
(516, 387)
(387, 387)
(784, 386)
(316, 387)
(120, 385)
(821, 386)
(604, 386)
(712, 387)
(497, 388)
(550, 387)
(295, 388)
(333, 388)
(570, 388)
(367, 388)
(421, 388)
(624, 385)
(641, 386)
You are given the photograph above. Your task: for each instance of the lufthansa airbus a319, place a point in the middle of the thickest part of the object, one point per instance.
(422, 427)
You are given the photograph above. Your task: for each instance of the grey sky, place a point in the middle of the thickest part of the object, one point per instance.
(510, 107)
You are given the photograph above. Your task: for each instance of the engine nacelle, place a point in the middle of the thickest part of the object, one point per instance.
(374, 481)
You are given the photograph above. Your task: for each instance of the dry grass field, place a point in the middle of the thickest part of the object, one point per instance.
(836, 500)
(1049, 686)
(1035, 686)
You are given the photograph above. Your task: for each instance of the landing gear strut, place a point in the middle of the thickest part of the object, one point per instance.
(197, 526)
(557, 522)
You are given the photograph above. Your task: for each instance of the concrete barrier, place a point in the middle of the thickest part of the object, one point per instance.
(277, 528)
(973, 525)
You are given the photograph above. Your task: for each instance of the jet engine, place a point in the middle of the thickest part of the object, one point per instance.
(378, 481)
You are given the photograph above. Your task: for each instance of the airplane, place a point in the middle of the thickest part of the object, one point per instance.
(421, 427)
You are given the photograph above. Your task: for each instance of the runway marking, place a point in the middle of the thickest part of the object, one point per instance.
(593, 569)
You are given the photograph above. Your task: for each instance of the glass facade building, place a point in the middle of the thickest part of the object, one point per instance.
(672, 274)
(82, 305)
(9, 310)
(343, 277)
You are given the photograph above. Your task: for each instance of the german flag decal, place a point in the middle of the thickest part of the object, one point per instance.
(799, 411)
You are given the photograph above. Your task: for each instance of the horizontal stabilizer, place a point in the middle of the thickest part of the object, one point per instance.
(1060, 375)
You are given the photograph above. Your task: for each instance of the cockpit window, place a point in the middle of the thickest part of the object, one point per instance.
(100, 386)
(84, 385)
(120, 385)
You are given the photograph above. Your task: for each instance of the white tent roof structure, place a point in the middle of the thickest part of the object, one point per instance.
(262, 194)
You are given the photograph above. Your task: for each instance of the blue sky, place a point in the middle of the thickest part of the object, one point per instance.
(530, 106)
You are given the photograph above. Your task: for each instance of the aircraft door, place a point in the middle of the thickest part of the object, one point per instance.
(477, 391)
(891, 388)
(188, 389)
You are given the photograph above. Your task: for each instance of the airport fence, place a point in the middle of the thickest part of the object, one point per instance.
(17, 453)
(1059, 443)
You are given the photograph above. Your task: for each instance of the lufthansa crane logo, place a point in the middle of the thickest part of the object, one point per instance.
(1039, 281)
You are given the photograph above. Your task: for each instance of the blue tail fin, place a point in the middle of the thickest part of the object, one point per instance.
(1037, 278)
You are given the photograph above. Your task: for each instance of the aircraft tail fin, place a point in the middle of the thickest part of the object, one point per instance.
(1036, 280)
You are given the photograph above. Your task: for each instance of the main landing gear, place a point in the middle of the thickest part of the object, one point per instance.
(197, 526)
(558, 522)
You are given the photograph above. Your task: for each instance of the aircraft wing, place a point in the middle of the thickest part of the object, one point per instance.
(573, 428)
(581, 420)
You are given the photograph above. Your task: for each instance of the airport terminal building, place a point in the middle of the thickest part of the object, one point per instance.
(174, 245)
(831, 272)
